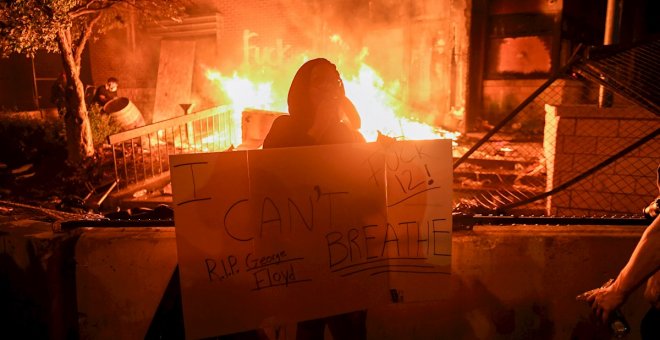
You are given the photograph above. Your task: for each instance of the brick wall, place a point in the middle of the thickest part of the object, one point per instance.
(274, 30)
(264, 38)
(578, 137)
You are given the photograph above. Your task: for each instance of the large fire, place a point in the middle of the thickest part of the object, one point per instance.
(378, 102)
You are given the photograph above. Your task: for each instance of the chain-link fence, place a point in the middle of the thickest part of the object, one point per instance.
(586, 143)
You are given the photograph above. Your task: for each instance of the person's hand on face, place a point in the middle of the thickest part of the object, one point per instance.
(325, 95)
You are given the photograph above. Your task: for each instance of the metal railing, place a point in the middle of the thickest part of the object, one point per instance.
(141, 155)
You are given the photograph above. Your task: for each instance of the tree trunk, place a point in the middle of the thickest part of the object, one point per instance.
(80, 144)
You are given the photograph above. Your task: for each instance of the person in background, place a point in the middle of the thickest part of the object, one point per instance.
(644, 264)
(106, 92)
(59, 93)
(320, 113)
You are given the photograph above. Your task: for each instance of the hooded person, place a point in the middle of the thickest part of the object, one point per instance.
(319, 111)
(319, 114)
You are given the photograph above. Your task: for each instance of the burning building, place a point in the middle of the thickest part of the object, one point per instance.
(415, 69)
(459, 65)
(403, 63)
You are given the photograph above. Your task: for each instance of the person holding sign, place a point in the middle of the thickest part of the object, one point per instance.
(319, 114)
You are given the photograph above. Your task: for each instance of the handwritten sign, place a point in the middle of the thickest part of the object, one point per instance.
(269, 237)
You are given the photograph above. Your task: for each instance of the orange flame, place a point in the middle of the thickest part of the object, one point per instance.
(381, 111)
(376, 100)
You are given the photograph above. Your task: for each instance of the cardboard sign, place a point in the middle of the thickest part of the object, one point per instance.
(269, 237)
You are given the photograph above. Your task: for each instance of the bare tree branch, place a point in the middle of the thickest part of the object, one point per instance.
(90, 9)
(84, 37)
(67, 37)
(83, 12)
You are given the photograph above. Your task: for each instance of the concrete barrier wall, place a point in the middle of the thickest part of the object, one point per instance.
(121, 277)
(518, 283)
(37, 281)
(508, 282)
